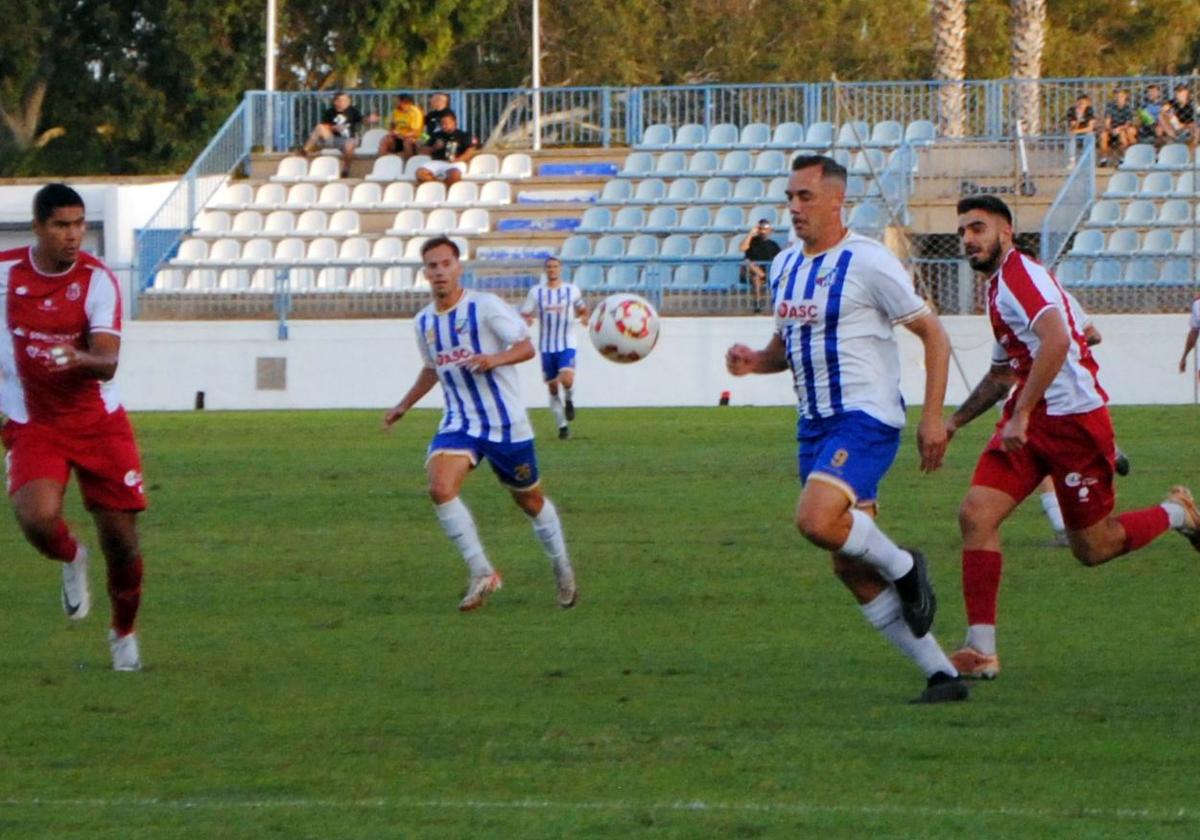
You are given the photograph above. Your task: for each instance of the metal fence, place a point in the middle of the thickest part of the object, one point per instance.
(1070, 205)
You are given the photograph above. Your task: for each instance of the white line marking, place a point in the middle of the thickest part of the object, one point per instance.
(1183, 814)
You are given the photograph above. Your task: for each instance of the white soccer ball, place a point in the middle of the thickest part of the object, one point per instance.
(624, 328)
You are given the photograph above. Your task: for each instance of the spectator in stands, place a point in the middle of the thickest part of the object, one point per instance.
(338, 129)
(406, 129)
(759, 249)
(439, 106)
(1179, 118)
(1149, 115)
(1081, 119)
(450, 148)
(1119, 127)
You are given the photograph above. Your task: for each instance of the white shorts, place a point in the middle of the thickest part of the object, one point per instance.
(439, 168)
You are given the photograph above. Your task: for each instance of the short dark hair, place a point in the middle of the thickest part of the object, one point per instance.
(448, 113)
(1154, 86)
(51, 197)
(1082, 96)
(830, 168)
(1181, 86)
(986, 203)
(437, 242)
(404, 97)
(551, 259)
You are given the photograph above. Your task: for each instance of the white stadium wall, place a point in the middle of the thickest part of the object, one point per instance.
(370, 364)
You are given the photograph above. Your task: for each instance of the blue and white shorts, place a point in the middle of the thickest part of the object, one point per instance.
(852, 451)
(515, 464)
(554, 363)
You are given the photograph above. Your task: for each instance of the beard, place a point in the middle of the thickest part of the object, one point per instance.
(986, 261)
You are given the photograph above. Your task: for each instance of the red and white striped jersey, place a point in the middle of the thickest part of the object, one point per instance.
(1018, 294)
(40, 311)
(1194, 320)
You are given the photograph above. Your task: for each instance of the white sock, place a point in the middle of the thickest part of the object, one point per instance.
(570, 392)
(1053, 511)
(456, 521)
(982, 637)
(869, 544)
(560, 411)
(884, 615)
(548, 528)
(1176, 514)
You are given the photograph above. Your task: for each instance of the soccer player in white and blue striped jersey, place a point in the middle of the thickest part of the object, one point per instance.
(470, 341)
(556, 306)
(837, 297)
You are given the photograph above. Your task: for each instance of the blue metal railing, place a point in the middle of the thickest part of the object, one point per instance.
(1071, 203)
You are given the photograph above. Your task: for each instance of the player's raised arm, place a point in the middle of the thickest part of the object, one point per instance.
(741, 360)
(99, 361)
(931, 433)
(425, 381)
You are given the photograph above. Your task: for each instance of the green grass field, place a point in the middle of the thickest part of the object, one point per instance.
(308, 675)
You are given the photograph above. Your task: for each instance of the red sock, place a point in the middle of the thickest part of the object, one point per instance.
(61, 545)
(981, 584)
(1142, 526)
(125, 592)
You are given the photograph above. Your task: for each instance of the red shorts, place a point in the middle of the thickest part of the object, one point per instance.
(104, 457)
(1077, 451)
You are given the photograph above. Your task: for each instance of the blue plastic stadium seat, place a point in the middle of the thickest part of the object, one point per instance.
(715, 191)
(1155, 185)
(722, 136)
(689, 136)
(1122, 185)
(595, 220)
(649, 191)
(695, 219)
(819, 136)
(588, 277)
(770, 162)
(724, 275)
(670, 165)
(1104, 214)
(920, 133)
(675, 247)
(688, 277)
(1173, 156)
(748, 190)
(662, 219)
(1088, 242)
(1186, 185)
(787, 136)
(1158, 242)
(1138, 156)
(755, 135)
(736, 163)
(628, 220)
(1174, 213)
(657, 136)
(1072, 271)
(703, 164)
(853, 135)
(1138, 214)
(886, 134)
(681, 191)
(607, 248)
(642, 246)
(729, 219)
(637, 165)
(1176, 272)
(575, 247)
(616, 192)
(1122, 243)
(1139, 271)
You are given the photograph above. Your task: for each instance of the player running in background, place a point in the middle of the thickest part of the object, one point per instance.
(1055, 423)
(60, 338)
(1193, 332)
(837, 297)
(470, 341)
(556, 305)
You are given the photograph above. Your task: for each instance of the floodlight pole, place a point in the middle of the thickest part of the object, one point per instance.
(536, 77)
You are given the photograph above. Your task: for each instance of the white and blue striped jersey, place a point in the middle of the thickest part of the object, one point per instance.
(835, 313)
(556, 310)
(483, 405)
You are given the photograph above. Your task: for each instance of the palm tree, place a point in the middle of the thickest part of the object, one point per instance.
(1028, 41)
(950, 64)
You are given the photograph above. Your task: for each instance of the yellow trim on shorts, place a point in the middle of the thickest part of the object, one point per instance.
(466, 453)
(838, 483)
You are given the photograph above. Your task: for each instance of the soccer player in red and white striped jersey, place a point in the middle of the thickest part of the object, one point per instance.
(60, 337)
(1055, 423)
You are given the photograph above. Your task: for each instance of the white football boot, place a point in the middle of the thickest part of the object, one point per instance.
(125, 655)
(478, 589)
(76, 597)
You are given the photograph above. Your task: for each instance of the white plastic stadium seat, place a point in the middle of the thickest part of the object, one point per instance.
(414, 163)
(366, 195)
(649, 190)
(715, 191)
(369, 145)
(246, 223)
(676, 245)
(233, 195)
(324, 168)
(1138, 214)
(396, 194)
(334, 196)
(462, 194)
(629, 220)
(818, 136)
(440, 222)
(386, 168)
(770, 162)
(344, 223)
(574, 247)
(670, 165)
(662, 219)
(495, 194)
(1088, 242)
(299, 197)
(279, 223)
(920, 132)
(212, 223)
(292, 168)
(407, 223)
(1122, 185)
(387, 249)
(191, 250)
(853, 135)
(696, 219)
(736, 163)
(867, 162)
(430, 194)
(312, 222)
(682, 190)
(1174, 213)
(729, 219)
(595, 219)
(483, 166)
(1186, 185)
(615, 191)
(886, 134)
(702, 164)
(1173, 156)
(1104, 214)
(474, 220)
(608, 247)
(516, 165)
(291, 250)
(1159, 242)
(637, 164)
(642, 245)
(1122, 242)
(748, 189)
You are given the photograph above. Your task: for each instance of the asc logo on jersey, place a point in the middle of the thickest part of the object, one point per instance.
(454, 357)
(803, 312)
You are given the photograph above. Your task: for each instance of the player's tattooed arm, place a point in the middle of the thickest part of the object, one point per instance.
(990, 390)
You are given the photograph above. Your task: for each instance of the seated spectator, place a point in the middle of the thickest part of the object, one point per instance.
(338, 129)
(439, 106)
(450, 148)
(406, 129)
(1119, 127)
(1081, 119)
(1179, 118)
(1149, 115)
(759, 249)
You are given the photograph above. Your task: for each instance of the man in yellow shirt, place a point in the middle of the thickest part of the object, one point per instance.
(407, 125)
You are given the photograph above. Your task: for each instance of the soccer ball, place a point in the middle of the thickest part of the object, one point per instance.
(624, 328)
